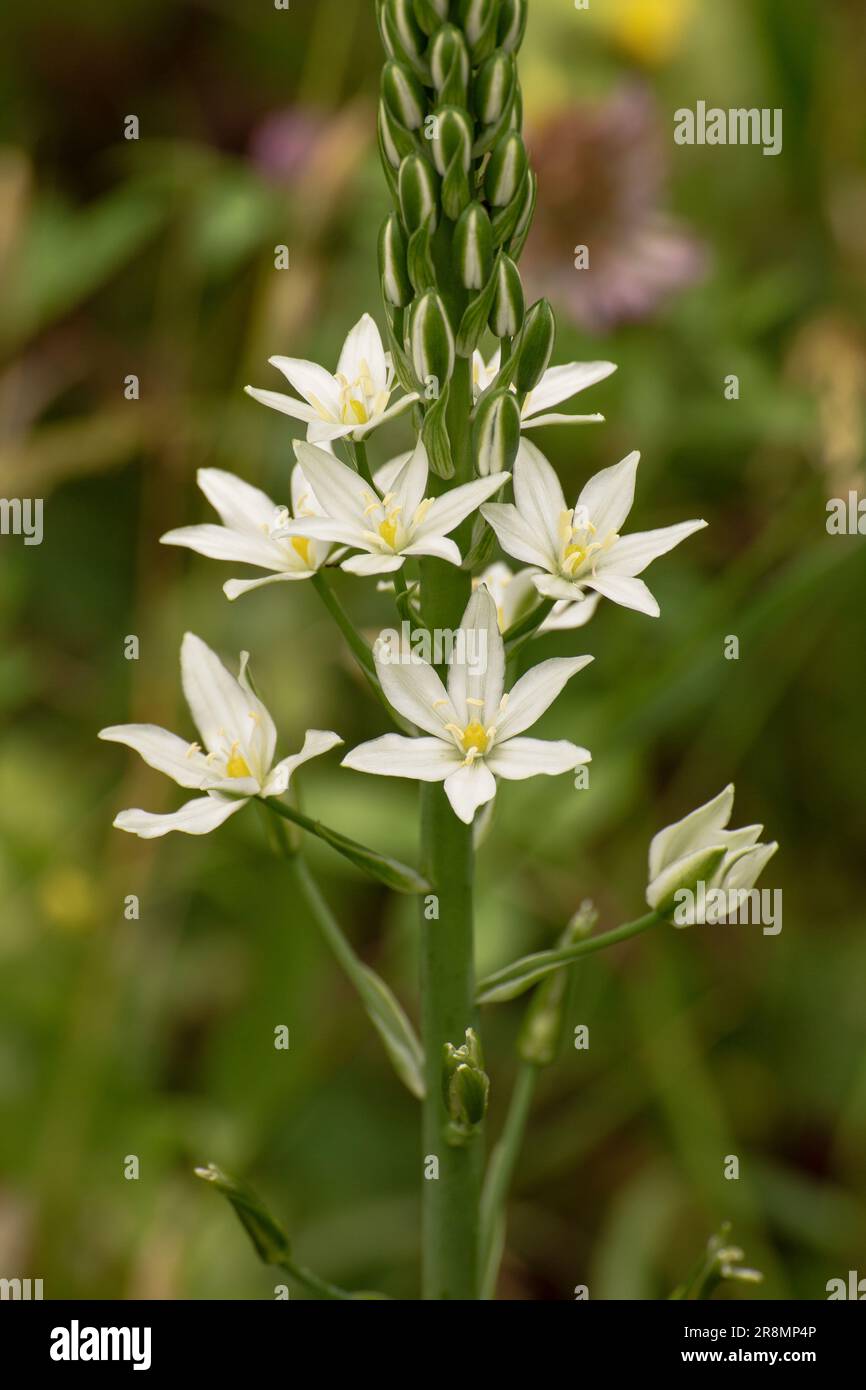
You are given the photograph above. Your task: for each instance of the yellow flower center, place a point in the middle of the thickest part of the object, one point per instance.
(474, 737)
(388, 529)
(301, 546)
(357, 409)
(237, 764)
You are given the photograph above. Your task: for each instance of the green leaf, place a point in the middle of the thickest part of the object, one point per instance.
(269, 1239)
(382, 867)
(389, 1019)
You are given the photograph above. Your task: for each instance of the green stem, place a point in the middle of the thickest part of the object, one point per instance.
(313, 1283)
(500, 1171)
(359, 648)
(522, 974)
(359, 449)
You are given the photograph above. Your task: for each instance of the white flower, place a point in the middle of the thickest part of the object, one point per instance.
(557, 385)
(698, 848)
(515, 595)
(236, 761)
(473, 724)
(249, 517)
(388, 525)
(353, 401)
(580, 548)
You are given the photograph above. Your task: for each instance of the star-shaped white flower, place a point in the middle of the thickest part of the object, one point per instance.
(699, 847)
(391, 522)
(579, 548)
(246, 535)
(473, 726)
(351, 402)
(515, 595)
(233, 762)
(557, 385)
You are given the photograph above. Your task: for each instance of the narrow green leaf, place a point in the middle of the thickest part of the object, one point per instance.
(389, 1019)
(391, 872)
(269, 1239)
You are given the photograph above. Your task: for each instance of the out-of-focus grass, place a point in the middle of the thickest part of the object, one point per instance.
(154, 1037)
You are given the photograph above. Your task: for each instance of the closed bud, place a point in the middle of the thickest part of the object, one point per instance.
(403, 94)
(396, 285)
(390, 137)
(449, 61)
(431, 341)
(496, 433)
(509, 307)
(512, 24)
(430, 14)
(400, 30)
(506, 170)
(473, 247)
(493, 86)
(536, 346)
(465, 1086)
(454, 139)
(418, 189)
(478, 18)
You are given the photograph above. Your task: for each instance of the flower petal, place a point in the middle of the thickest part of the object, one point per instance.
(316, 742)
(561, 383)
(619, 588)
(534, 692)
(517, 537)
(318, 388)
(409, 484)
(240, 506)
(392, 755)
(699, 828)
(539, 496)
(630, 555)
(278, 400)
(608, 496)
(452, 507)
(440, 546)
(220, 543)
(372, 564)
(477, 673)
(233, 588)
(342, 493)
(166, 752)
(364, 356)
(224, 711)
(414, 690)
(519, 758)
(566, 616)
(536, 421)
(197, 817)
(471, 786)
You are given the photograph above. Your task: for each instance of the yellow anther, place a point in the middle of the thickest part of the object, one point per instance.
(470, 700)
(421, 510)
(356, 408)
(388, 529)
(192, 750)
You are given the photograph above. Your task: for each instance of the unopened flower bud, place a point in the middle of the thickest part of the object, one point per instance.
(512, 24)
(449, 63)
(431, 340)
(403, 94)
(493, 86)
(418, 189)
(506, 170)
(536, 346)
(478, 18)
(465, 1086)
(430, 14)
(401, 33)
(395, 141)
(496, 433)
(473, 247)
(453, 139)
(396, 285)
(509, 306)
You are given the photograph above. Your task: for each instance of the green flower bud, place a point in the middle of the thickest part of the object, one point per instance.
(418, 189)
(493, 87)
(449, 64)
(512, 24)
(473, 247)
(396, 285)
(453, 139)
(509, 306)
(431, 340)
(400, 31)
(465, 1086)
(536, 346)
(430, 14)
(403, 95)
(496, 433)
(478, 18)
(506, 170)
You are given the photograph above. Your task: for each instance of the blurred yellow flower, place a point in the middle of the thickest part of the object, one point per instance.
(650, 31)
(67, 899)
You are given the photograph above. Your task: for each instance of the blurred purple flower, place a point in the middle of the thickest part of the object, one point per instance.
(284, 143)
(602, 177)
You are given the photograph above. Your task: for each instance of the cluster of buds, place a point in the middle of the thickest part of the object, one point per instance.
(450, 118)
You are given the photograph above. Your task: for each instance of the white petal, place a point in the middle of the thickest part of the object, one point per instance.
(563, 590)
(360, 431)
(223, 710)
(161, 750)
(311, 381)
(363, 353)
(415, 691)
(561, 383)
(233, 588)
(287, 405)
(516, 536)
(316, 742)
(240, 506)
(440, 546)
(535, 691)
(476, 676)
(452, 507)
(699, 828)
(519, 758)
(630, 555)
(536, 421)
(608, 496)
(409, 484)
(197, 817)
(327, 431)
(219, 543)
(538, 495)
(372, 564)
(385, 475)
(566, 616)
(324, 528)
(619, 588)
(747, 866)
(422, 759)
(342, 493)
(471, 786)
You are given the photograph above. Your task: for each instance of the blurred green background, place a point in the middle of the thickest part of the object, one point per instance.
(155, 1037)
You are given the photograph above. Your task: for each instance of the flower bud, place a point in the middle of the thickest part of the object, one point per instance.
(430, 14)
(396, 285)
(453, 139)
(431, 340)
(478, 18)
(506, 170)
(403, 94)
(395, 141)
(512, 24)
(493, 87)
(465, 1086)
(449, 64)
(536, 346)
(473, 247)
(683, 877)
(496, 433)
(509, 306)
(400, 31)
(418, 189)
